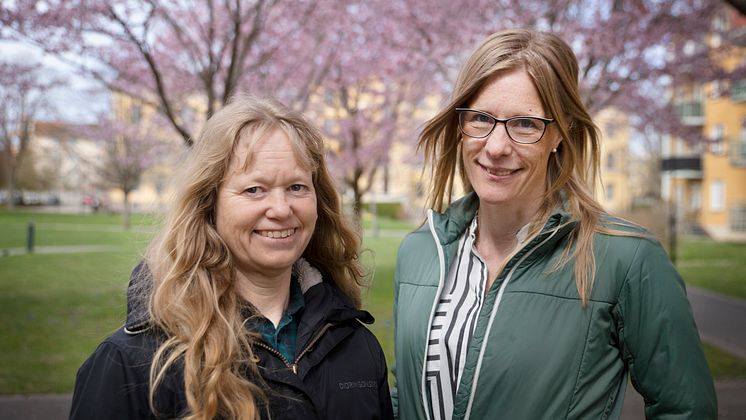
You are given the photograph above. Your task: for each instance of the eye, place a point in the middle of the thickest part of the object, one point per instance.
(298, 188)
(526, 123)
(251, 190)
(474, 117)
(482, 118)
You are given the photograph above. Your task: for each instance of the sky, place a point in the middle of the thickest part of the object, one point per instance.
(77, 102)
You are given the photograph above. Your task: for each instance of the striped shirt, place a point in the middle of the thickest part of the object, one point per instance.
(453, 325)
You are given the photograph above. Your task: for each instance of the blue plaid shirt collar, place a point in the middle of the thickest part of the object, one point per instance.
(284, 337)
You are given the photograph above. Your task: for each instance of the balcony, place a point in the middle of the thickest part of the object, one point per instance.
(738, 91)
(691, 113)
(683, 167)
(738, 152)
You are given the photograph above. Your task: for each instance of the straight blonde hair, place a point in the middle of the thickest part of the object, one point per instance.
(194, 301)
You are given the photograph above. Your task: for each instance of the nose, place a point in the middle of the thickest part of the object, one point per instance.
(498, 142)
(278, 206)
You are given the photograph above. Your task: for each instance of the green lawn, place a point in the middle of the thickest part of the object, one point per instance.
(718, 266)
(55, 308)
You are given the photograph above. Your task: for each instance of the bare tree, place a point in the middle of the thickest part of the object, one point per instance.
(22, 94)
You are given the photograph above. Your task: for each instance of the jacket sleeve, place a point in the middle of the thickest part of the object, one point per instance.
(108, 386)
(384, 395)
(660, 342)
(394, 391)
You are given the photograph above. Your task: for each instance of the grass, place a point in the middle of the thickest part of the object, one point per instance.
(718, 266)
(55, 308)
(724, 365)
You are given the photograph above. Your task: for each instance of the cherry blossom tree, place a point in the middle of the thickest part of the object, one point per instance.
(632, 54)
(129, 147)
(22, 90)
(371, 62)
(171, 54)
(368, 99)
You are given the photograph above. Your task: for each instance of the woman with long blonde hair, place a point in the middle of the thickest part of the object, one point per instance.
(247, 303)
(524, 299)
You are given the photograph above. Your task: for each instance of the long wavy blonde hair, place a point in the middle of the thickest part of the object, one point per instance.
(193, 299)
(572, 171)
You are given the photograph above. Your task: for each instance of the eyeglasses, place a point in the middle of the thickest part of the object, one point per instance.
(522, 130)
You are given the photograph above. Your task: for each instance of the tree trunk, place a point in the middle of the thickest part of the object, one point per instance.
(126, 211)
(12, 182)
(357, 205)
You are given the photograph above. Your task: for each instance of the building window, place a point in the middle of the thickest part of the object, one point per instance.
(611, 129)
(135, 114)
(717, 139)
(695, 199)
(610, 163)
(717, 196)
(738, 148)
(738, 218)
(738, 91)
(610, 192)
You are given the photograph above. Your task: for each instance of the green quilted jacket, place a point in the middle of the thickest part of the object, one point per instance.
(537, 352)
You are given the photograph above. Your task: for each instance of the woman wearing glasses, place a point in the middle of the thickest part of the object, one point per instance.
(525, 299)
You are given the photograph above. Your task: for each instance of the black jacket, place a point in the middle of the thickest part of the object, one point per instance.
(340, 371)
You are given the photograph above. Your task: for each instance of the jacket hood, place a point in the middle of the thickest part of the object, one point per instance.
(451, 224)
(138, 291)
(324, 302)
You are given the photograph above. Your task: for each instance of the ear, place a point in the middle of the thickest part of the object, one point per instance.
(556, 143)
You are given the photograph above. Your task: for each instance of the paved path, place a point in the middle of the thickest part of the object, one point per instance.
(62, 249)
(721, 321)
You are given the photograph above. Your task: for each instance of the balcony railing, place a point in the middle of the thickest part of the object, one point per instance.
(683, 167)
(681, 164)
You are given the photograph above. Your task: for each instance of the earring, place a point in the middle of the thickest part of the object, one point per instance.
(554, 150)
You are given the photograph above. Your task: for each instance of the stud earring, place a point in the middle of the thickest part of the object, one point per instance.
(554, 150)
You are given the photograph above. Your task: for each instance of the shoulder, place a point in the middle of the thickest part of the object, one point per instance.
(421, 233)
(638, 262)
(417, 243)
(626, 240)
(626, 253)
(130, 354)
(114, 382)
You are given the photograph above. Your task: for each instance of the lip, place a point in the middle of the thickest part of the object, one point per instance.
(498, 172)
(276, 234)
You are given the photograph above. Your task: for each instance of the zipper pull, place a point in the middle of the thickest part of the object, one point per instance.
(294, 368)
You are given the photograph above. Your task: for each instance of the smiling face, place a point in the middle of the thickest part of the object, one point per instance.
(266, 210)
(501, 171)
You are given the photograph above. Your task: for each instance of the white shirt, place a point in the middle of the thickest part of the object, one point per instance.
(453, 325)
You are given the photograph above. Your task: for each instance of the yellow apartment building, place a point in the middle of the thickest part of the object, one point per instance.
(724, 159)
(616, 190)
(706, 182)
(681, 162)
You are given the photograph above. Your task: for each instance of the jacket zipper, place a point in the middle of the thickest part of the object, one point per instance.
(294, 366)
(498, 299)
(442, 263)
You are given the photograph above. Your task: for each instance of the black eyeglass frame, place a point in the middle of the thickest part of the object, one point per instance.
(505, 122)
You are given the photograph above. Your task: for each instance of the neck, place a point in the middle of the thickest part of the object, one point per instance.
(269, 295)
(497, 229)
(501, 223)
